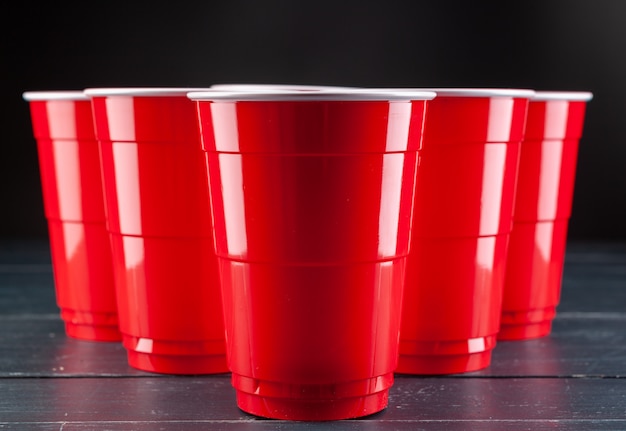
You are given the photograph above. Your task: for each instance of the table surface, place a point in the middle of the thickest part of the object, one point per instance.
(573, 379)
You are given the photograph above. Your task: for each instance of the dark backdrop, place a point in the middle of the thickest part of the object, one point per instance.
(542, 44)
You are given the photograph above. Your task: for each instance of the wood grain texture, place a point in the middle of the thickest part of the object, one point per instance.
(582, 344)
(413, 401)
(573, 379)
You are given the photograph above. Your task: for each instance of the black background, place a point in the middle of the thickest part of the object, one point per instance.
(539, 44)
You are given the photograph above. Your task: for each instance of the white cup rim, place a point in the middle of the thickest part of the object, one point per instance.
(266, 87)
(344, 94)
(32, 96)
(140, 91)
(476, 92)
(583, 96)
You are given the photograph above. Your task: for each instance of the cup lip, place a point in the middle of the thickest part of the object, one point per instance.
(574, 96)
(341, 95)
(479, 92)
(266, 87)
(140, 91)
(33, 96)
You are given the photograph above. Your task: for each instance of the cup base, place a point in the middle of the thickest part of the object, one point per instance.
(527, 324)
(176, 357)
(333, 402)
(92, 333)
(91, 326)
(445, 357)
(440, 365)
(525, 332)
(178, 365)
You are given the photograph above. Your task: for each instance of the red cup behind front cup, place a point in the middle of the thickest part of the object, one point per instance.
(462, 220)
(161, 232)
(74, 208)
(542, 211)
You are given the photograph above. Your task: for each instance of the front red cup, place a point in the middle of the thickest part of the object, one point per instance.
(74, 208)
(159, 222)
(312, 196)
(543, 207)
(462, 221)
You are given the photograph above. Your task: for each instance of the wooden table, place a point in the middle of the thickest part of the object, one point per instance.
(574, 379)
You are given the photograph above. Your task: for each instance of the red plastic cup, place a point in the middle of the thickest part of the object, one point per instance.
(74, 208)
(543, 208)
(312, 196)
(462, 221)
(159, 222)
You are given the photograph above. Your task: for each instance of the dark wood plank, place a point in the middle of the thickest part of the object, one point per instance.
(594, 278)
(414, 425)
(531, 399)
(573, 379)
(352, 425)
(415, 403)
(26, 278)
(587, 338)
(38, 347)
(23, 251)
(581, 344)
(25, 293)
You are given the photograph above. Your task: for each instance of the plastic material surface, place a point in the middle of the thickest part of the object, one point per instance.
(160, 222)
(452, 305)
(542, 211)
(462, 220)
(74, 208)
(312, 204)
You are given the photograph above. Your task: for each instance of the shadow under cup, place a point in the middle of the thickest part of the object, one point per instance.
(312, 202)
(161, 233)
(74, 208)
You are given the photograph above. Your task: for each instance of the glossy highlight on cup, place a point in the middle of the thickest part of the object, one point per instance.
(312, 196)
(159, 221)
(543, 208)
(461, 225)
(69, 165)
